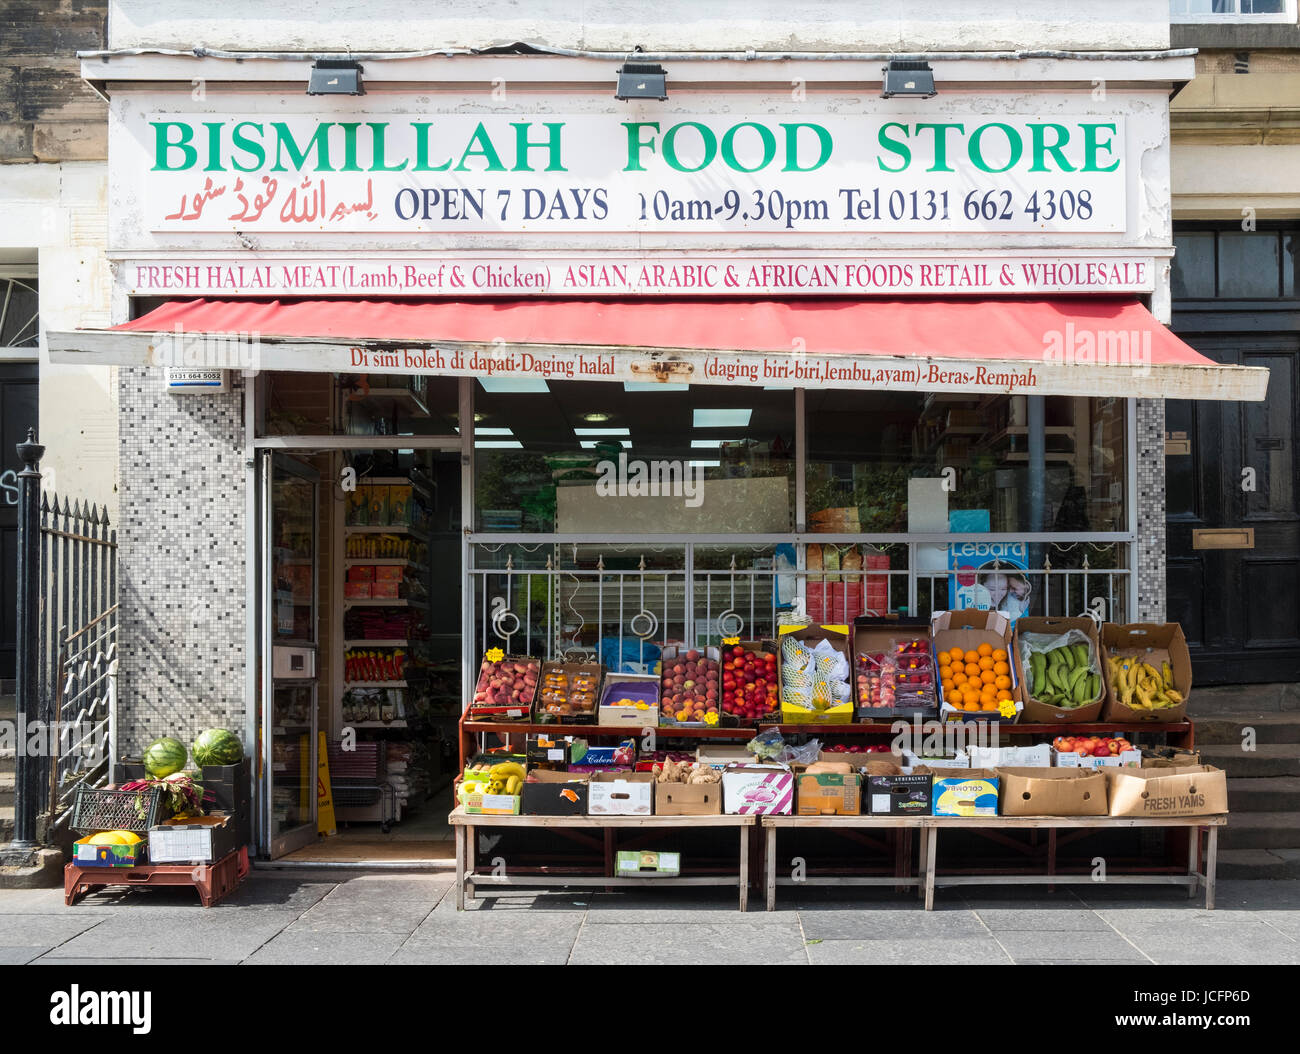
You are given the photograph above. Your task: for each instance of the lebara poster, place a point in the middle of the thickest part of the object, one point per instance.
(990, 576)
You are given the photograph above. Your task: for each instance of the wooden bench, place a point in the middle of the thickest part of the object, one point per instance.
(469, 879)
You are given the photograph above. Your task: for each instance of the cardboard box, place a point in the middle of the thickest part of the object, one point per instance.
(357, 590)
(1127, 759)
(642, 691)
(86, 855)
(549, 751)
(492, 804)
(965, 792)
(905, 795)
(549, 793)
(362, 573)
(758, 789)
(829, 794)
(1039, 756)
(562, 704)
(871, 635)
(642, 863)
(607, 755)
(229, 789)
(400, 508)
(761, 647)
(841, 714)
(721, 755)
(507, 711)
(967, 630)
(1190, 790)
(670, 655)
(1168, 757)
(198, 840)
(385, 590)
(1048, 713)
(1052, 792)
(910, 761)
(388, 572)
(688, 799)
(621, 794)
(1154, 643)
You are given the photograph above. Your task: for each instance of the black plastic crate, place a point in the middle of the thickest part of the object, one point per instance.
(116, 810)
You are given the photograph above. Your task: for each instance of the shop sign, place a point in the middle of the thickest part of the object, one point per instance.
(631, 274)
(458, 173)
(185, 381)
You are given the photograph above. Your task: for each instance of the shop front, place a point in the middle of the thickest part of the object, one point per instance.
(408, 376)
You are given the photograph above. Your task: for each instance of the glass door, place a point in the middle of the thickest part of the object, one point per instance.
(290, 562)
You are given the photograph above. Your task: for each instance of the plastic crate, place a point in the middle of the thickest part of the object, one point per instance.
(116, 810)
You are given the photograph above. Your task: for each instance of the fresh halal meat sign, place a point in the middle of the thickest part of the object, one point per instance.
(464, 173)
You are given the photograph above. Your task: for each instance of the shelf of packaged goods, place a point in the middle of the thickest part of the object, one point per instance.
(395, 602)
(400, 723)
(387, 642)
(1175, 728)
(397, 398)
(418, 482)
(286, 729)
(667, 731)
(396, 528)
(383, 561)
(374, 684)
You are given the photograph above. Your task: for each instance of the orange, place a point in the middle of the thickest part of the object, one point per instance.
(959, 678)
(956, 655)
(999, 655)
(971, 656)
(1003, 682)
(1001, 668)
(947, 685)
(985, 649)
(985, 663)
(988, 677)
(972, 669)
(972, 706)
(989, 706)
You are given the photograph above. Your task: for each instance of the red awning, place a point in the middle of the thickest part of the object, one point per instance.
(1048, 346)
(959, 328)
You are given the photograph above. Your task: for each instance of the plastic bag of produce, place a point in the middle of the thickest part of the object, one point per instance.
(830, 661)
(1061, 669)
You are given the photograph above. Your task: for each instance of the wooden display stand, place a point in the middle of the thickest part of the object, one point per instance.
(468, 878)
(212, 882)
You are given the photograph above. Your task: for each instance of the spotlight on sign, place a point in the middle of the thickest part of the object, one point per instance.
(641, 80)
(335, 77)
(908, 77)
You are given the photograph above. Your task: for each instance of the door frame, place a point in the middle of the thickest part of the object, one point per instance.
(257, 671)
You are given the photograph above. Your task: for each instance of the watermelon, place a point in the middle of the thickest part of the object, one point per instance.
(164, 756)
(217, 746)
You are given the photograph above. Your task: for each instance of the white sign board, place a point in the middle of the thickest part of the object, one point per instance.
(186, 381)
(459, 173)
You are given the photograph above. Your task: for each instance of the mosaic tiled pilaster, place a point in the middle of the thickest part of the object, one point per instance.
(181, 562)
(1150, 557)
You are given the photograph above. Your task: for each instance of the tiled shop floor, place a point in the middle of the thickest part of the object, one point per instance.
(409, 917)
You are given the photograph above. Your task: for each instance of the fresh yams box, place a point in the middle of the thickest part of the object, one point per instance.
(1037, 711)
(621, 794)
(965, 792)
(758, 789)
(1191, 790)
(1052, 792)
(1153, 643)
(967, 630)
(829, 794)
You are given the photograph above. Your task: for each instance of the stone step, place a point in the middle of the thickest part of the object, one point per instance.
(1267, 759)
(1267, 794)
(1229, 729)
(1258, 863)
(1261, 830)
(8, 707)
(6, 823)
(1238, 698)
(6, 788)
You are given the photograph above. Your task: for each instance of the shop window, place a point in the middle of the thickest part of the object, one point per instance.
(599, 458)
(1232, 10)
(1234, 264)
(931, 463)
(294, 403)
(19, 313)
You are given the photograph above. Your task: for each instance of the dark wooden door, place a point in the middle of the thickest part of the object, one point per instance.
(18, 409)
(1240, 607)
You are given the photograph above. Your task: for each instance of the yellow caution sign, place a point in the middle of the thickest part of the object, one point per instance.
(325, 823)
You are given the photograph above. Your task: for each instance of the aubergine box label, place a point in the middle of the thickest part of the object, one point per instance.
(899, 795)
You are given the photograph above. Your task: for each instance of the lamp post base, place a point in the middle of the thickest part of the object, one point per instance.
(40, 869)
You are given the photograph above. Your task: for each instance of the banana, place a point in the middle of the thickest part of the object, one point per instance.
(1081, 655)
(1037, 673)
(1175, 697)
(1167, 674)
(1152, 673)
(506, 769)
(513, 784)
(1076, 676)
